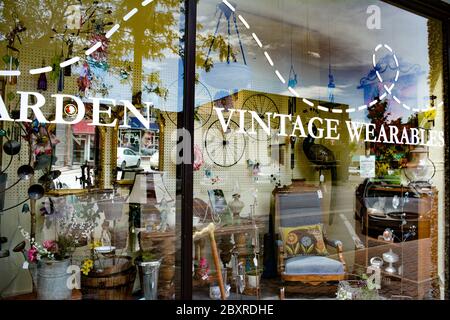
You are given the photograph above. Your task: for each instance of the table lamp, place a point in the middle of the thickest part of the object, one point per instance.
(143, 202)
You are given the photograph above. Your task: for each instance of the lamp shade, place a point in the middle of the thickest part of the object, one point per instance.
(143, 190)
(228, 76)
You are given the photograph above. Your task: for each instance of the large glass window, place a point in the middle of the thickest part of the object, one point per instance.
(94, 196)
(321, 161)
(318, 150)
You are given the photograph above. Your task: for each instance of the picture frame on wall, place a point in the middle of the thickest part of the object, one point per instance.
(218, 202)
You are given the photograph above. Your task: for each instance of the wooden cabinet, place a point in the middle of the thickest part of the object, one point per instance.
(416, 273)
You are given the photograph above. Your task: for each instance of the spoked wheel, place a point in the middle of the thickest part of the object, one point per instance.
(261, 104)
(225, 149)
(203, 103)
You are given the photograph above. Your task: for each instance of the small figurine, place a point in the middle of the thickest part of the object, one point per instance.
(106, 235)
(164, 209)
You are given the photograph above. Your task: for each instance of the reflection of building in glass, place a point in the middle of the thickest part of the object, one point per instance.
(78, 144)
(139, 139)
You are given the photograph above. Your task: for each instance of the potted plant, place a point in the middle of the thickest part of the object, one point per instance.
(254, 277)
(49, 262)
(148, 264)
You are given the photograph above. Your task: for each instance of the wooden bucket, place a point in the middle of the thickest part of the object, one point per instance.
(111, 279)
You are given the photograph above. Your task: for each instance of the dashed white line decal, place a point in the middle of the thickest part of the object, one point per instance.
(229, 5)
(244, 22)
(309, 103)
(69, 62)
(112, 31)
(9, 73)
(269, 59)
(94, 48)
(257, 40)
(41, 70)
(295, 93)
(362, 107)
(280, 76)
(130, 14)
(144, 3)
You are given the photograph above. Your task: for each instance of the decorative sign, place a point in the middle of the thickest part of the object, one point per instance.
(367, 166)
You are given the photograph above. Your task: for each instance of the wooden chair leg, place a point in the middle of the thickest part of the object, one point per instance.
(282, 296)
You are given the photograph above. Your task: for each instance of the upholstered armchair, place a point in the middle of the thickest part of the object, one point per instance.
(302, 244)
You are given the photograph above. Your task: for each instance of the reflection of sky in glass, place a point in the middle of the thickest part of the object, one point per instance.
(338, 27)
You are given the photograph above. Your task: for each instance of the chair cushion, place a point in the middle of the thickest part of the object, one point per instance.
(313, 265)
(304, 240)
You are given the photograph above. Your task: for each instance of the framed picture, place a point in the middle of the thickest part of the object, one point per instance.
(218, 202)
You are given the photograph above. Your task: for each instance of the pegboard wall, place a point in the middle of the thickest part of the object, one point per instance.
(256, 151)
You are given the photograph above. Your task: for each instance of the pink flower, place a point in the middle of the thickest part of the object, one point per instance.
(32, 254)
(203, 263)
(50, 245)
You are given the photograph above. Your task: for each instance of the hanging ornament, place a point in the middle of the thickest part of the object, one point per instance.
(217, 74)
(68, 69)
(61, 80)
(84, 80)
(54, 74)
(293, 81)
(331, 85)
(42, 80)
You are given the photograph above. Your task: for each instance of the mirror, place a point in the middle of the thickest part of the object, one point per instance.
(139, 148)
(83, 154)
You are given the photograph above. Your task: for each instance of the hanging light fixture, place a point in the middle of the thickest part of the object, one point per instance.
(231, 74)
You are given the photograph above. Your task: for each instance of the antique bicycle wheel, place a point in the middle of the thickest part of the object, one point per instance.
(262, 105)
(203, 103)
(225, 149)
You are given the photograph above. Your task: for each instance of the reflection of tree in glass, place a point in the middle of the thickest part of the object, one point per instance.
(388, 156)
(153, 33)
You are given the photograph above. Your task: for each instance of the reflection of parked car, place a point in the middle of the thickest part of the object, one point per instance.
(379, 205)
(127, 158)
(149, 151)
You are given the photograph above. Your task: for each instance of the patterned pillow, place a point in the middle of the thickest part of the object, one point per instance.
(304, 240)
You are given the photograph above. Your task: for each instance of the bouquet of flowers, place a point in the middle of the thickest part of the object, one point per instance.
(59, 249)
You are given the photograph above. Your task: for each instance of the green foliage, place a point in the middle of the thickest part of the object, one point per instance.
(388, 156)
(66, 246)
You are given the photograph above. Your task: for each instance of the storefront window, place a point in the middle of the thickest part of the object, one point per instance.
(318, 150)
(87, 187)
(321, 165)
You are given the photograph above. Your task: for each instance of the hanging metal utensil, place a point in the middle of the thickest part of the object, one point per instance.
(25, 172)
(11, 147)
(36, 192)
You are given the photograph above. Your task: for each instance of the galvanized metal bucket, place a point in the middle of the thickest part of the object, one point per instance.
(52, 279)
